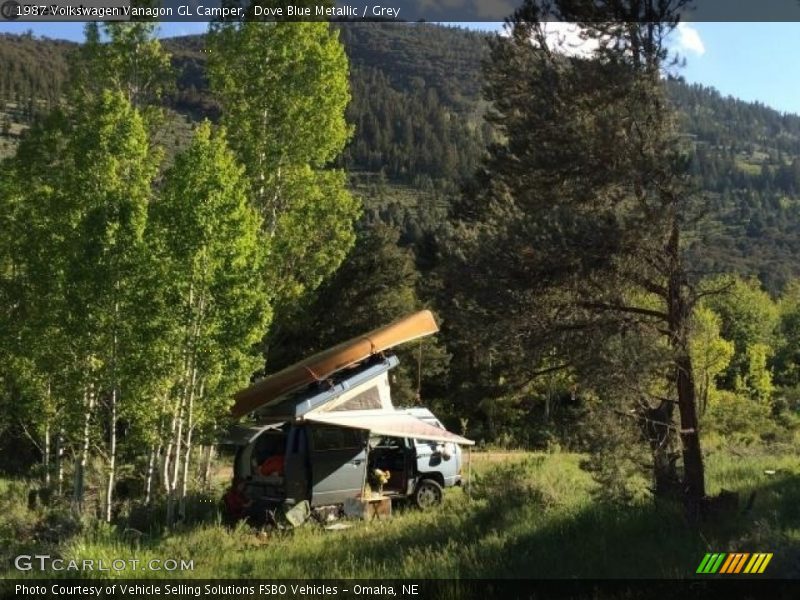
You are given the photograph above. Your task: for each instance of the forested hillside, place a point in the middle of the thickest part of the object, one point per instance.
(746, 157)
(417, 111)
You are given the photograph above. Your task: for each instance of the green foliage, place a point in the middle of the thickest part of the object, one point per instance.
(126, 58)
(34, 255)
(736, 416)
(786, 408)
(566, 244)
(375, 285)
(787, 359)
(758, 379)
(209, 262)
(711, 353)
(755, 406)
(141, 306)
(283, 88)
(749, 318)
(416, 101)
(78, 271)
(108, 176)
(74, 208)
(561, 250)
(618, 455)
(257, 70)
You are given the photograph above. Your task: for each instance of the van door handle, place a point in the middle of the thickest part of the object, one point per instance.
(357, 461)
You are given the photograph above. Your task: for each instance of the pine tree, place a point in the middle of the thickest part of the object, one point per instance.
(580, 216)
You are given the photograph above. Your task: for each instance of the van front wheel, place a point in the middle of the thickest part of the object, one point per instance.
(428, 494)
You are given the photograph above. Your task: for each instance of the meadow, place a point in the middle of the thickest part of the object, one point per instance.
(527, 515)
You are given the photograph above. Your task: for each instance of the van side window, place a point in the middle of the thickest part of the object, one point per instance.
(336, 438)
(269, 444)
(426, 444)
(385, 441)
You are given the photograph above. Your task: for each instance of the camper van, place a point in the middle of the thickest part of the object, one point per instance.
(327, 457)
(320, 430)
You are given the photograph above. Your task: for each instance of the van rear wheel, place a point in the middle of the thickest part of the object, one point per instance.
(428, 494)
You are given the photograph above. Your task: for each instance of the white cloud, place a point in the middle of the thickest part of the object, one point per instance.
(566, 39)
(689, 39)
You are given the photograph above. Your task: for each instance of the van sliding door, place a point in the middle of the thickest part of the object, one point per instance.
(338, 463)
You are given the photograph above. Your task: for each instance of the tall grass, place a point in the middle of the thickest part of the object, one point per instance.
(529, 515)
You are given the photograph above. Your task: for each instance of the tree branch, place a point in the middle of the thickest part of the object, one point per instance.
(647, 312)
(648, 285)
(539, 373)
(645, 419)
(31, 437)
(721, 290)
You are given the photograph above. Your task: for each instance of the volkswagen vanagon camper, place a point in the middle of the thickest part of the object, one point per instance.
(321, 427)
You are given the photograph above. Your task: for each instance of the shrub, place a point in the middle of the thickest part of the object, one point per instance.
(511, 483)
(736, 415)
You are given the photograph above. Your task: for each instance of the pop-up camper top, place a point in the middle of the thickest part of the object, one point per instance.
(323, 425)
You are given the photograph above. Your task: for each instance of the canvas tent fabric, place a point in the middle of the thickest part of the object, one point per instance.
(324, 364)
(329, 394)
(389, 424)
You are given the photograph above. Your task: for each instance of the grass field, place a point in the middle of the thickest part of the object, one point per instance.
(529, 515)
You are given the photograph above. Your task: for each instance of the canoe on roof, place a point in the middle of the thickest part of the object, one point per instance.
(324, 364)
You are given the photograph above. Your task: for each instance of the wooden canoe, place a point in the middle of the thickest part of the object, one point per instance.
(324, 364)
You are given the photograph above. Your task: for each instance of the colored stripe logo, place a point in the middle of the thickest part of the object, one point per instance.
(734, 563)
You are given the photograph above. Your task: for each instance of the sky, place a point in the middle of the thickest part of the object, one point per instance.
(752, 61)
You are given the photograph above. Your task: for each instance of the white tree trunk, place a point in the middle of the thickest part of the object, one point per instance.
(161, 435)
(189, 431)
(176, 462)
(112, 417)
(148, 483)
(112, 454)
(165, 462)
(83, 456)
(60, 461)
(170, 473)
(186, 463)
(46, 454)
(175, 466)
(47, 440)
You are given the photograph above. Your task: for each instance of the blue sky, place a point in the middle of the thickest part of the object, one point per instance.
(752, 61)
